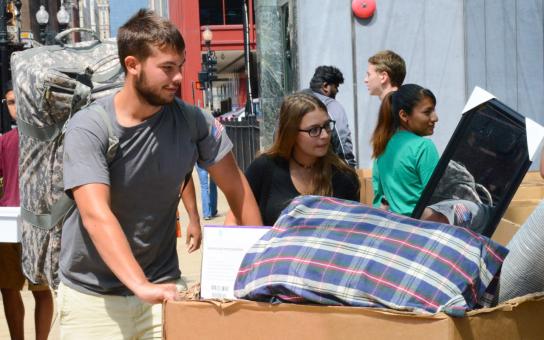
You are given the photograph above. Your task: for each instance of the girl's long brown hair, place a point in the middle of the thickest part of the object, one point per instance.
(405, 98)
(293, 108)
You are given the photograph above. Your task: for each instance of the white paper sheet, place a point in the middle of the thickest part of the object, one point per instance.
(535, 133)
(477, 97)
(223, 250)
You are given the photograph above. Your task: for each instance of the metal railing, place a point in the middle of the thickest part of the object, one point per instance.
(244, 134)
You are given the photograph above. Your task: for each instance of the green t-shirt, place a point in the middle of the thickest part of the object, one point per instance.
(400, 174)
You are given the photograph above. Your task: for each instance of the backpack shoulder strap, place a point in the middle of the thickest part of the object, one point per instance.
(113, 140)
(189, 114)
(65, 204)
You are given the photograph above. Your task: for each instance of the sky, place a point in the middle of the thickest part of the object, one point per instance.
(121, 10)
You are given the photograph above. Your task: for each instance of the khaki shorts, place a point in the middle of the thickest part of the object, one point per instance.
(10, 266)
(85, 316)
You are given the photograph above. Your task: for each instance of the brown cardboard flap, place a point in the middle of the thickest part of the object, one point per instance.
(518, 211)
(529, 191)
(505, 231)
(532, 177)
(509, 305)
(367, 191)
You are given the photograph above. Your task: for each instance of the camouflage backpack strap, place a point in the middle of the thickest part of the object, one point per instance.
(47, 221)
(190, 118)
(65, 204)
(45, 133)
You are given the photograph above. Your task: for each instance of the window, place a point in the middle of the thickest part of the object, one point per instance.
(234, 11)
(211, 12)
(221, 12)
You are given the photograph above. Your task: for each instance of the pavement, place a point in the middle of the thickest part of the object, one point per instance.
(189, 265)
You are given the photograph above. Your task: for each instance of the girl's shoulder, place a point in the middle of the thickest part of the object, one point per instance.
(265, 161)
(413, 141)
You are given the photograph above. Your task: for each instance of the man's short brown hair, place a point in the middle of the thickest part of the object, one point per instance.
(392, 63)
(146, 29)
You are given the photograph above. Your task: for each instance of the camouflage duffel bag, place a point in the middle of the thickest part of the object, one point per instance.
(51, 83)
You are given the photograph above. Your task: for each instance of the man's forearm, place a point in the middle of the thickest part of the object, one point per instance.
(243, 204)
(188, 197)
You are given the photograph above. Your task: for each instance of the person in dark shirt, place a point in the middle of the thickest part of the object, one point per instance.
(301, 160)
(12, 279)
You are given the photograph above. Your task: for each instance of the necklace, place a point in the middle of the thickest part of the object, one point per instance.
(304, 166)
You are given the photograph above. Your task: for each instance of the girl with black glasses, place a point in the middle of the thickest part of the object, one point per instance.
(301, 160)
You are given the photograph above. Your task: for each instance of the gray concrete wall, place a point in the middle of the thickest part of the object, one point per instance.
(449, 47)
(505, 52)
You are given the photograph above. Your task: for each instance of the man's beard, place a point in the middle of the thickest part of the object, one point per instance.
(147, 93)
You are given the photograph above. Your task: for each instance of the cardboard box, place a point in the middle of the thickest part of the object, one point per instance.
(529, 191)
(520, 318)
(10, 226)
(367, 191)
(519, 210)
(533, 177)
(505, 231)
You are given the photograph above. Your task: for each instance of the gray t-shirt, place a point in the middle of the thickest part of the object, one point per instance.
(145, 178)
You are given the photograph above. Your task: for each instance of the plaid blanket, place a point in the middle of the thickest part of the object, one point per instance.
(335, 252)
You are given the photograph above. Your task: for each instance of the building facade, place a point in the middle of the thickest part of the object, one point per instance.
(103, 26)
(96, 16)
(225, 20)
(160, 7)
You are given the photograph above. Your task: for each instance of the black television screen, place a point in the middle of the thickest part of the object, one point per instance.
(484, 162)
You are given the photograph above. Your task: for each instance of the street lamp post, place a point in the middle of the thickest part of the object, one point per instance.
(63, 17)
(42, 17)
(209, 69)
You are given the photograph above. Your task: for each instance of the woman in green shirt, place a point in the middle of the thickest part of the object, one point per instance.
(404, 160)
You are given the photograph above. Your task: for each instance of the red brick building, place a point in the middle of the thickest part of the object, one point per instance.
(224, 18)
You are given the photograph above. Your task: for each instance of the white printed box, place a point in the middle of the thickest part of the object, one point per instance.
(10, 226)
(223, 250)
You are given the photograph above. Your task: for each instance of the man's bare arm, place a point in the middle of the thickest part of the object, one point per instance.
(93, 202)
(230, 179)
(194, 231)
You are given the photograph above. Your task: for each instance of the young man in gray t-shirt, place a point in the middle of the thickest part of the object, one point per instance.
(118, 256)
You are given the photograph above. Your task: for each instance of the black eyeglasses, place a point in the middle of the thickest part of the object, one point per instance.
(8, 101)
(316, 130)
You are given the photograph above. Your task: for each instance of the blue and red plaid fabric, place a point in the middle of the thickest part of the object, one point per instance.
(336, 252)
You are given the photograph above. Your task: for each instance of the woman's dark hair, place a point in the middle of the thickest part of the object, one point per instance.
(405, 98)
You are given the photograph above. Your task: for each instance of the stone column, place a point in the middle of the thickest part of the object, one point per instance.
(270, 65)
